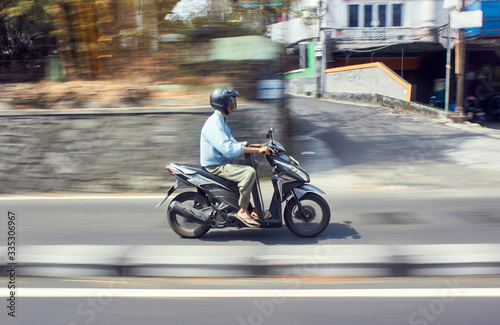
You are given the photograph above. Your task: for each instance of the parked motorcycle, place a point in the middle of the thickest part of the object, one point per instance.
(475, 114)
(214, 204)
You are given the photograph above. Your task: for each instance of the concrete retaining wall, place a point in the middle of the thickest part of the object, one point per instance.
(113, 150)
(372, 78)
(254, 261)
(302, 85)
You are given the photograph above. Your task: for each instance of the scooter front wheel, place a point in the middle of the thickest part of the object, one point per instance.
(315, 220)
(181, 225)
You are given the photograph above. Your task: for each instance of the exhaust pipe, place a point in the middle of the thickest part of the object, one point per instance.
(190, 213)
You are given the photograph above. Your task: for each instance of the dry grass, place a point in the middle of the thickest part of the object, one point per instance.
(46, 94)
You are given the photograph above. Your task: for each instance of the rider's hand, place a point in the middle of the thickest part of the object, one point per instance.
(256, 145)
(266, 150)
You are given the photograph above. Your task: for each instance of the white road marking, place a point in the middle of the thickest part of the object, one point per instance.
(254, 293)
(80, 197)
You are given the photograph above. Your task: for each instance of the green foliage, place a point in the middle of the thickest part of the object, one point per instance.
(24, 36)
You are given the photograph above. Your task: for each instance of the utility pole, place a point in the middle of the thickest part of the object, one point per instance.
(459, 115)
(448, 71)
(320, 11)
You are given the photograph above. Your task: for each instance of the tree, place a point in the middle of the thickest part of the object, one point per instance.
(95, 38)
(258, 14)
(86, 34)
(24, 39)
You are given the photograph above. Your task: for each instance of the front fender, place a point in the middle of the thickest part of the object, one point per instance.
(306, 188)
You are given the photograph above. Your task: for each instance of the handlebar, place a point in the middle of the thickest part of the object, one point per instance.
(275, 146)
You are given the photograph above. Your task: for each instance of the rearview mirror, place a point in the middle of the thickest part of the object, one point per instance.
(270, 134)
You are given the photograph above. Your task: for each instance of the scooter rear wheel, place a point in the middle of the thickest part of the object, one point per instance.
(314, 222)
(181, 225)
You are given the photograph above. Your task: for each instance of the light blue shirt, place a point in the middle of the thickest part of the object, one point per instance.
(217, 145)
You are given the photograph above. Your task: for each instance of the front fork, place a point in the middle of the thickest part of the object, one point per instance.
(296, 199)
(276, 208)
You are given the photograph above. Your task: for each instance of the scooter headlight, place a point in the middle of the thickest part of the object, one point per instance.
(299, 172)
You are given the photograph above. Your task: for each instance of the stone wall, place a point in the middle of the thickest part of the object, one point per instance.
(113, 150)
(385, 101)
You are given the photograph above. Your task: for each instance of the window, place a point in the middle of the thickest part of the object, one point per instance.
(303, 56)
(382, 17)
(376, 15)
(353, 15)
(292, 59)
(397, 13)
(368, 15)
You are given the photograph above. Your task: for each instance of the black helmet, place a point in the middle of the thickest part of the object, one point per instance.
(220, 97)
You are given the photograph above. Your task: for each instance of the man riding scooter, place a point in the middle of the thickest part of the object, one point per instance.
(218, 148)
(222, 189)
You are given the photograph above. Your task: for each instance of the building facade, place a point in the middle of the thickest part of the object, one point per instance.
(407, 36)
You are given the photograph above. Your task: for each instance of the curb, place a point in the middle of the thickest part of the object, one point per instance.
(257, 261)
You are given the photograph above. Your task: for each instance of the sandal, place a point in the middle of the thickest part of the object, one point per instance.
(255, 216)
(267, 215)
(248, 224)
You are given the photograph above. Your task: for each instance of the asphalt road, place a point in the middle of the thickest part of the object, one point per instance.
(359, 217)
(390, 178)
(375, 147)
(453, 301)
(296, 311)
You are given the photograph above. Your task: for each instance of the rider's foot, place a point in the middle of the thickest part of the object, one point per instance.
(245, 217)
(267, 215)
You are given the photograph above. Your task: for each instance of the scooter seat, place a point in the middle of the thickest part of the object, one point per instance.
(201, 171)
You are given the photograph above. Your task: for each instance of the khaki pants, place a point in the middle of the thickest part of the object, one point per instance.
(243, 175)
